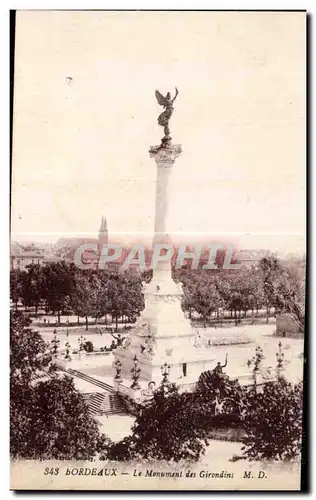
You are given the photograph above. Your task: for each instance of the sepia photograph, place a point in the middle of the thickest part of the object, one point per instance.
(158, 250)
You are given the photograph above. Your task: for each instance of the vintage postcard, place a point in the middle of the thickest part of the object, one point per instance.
(157, 267)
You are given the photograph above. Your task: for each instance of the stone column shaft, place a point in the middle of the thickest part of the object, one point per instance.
(165, 158)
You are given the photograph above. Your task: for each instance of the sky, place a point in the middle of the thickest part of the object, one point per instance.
(85, 116)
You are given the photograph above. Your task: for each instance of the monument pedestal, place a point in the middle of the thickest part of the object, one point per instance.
(162, 335)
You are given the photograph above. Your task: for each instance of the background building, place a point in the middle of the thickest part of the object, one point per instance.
(20, 258)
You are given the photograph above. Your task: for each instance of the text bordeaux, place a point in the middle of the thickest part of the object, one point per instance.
(88, 471)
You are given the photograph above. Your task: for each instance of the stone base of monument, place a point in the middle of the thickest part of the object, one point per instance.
(161, 341)
(182, 367)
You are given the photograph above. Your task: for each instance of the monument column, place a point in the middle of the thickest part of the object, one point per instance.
(162, 333)
(162, 342)
(155, 339)
(165, 156)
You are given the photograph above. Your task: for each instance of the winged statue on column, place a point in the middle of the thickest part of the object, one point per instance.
(167, 102)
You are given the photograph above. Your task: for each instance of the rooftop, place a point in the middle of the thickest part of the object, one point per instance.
(20, 254)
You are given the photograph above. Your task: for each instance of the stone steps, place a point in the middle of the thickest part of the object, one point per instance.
(101, 403)
(113, 405)
(105, 404)
(91, 380)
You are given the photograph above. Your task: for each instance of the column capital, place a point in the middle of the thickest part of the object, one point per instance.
(165, 154)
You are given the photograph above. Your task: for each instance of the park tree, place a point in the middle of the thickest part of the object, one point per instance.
(234, 290)
(29, 354)
(288, 292)
(32, 286)
(59, 282)
(220, 401)
(237, 298)
(64, 428)
(255, 291)
(85, 297)
(284, 287)
(15, 287)
(273, 422)
(271, 271)
(122, 295)
(146, 275)
(103, 299)
(114, 301)
(48, 416)
(207, 297)
(133, 295)
(224, 288)
(236, 303)
(248, 285)
(189, 300)
(184, 276)
(270, 267)
(165, 429)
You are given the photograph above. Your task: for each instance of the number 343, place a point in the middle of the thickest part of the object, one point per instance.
(51, 471)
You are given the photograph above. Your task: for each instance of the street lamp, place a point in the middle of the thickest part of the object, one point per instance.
(165, 370)
(118, 367)
(81, 341)
(280, 359)
(67, 345)
(55, 343)
(135, 371)
(256, 361)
